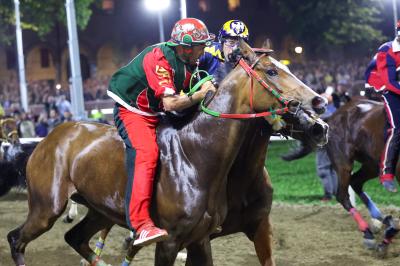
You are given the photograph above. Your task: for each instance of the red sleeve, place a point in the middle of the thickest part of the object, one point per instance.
(386, 67)
(158, 73)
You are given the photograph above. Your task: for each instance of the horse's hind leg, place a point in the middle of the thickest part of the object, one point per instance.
(44, 209)
(79, 236)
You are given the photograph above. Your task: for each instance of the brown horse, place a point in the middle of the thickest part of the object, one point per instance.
(357, 134)
(86, 161)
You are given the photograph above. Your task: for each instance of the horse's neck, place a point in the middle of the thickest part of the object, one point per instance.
(220, 139)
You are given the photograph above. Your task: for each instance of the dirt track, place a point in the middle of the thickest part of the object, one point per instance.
(304, 235)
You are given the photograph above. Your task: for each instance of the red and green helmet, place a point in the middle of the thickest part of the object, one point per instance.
(190, 31)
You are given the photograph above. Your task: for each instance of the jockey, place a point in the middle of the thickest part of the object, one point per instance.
(219, 53)
(382, 75)
(148, 85)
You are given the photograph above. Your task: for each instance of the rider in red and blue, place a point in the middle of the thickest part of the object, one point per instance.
(382, 74)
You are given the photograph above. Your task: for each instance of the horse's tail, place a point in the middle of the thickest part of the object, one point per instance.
(298, 152)
(8, 177)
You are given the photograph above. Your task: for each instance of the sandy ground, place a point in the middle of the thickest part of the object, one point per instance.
(303, 235)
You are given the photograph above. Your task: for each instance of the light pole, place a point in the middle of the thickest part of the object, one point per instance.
(21, 64)
(183, 9)
(394, 2)
(158, 6)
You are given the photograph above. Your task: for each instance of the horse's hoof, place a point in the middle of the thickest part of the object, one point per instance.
(375, 226)
(67, 219)
(381, 251)
(369, 243)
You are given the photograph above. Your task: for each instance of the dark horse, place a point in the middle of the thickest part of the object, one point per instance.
(85, 161)
(357, 134)
(12, 160)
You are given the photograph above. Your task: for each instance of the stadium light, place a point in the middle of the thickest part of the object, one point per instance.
(298, 50)
(158, 6)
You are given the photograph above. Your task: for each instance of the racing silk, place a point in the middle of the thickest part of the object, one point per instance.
(154, 73)
(381, 71)
(211, 58)
(214, 63)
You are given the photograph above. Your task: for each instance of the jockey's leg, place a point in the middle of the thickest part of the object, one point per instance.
(139, 135)
(391, 150)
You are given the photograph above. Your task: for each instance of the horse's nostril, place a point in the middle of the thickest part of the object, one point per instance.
(319, 104)
(317, 130)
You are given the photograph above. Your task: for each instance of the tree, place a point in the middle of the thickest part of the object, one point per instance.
(40, 16)
(320, 24)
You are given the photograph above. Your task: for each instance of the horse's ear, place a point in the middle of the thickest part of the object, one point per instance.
(247, 52)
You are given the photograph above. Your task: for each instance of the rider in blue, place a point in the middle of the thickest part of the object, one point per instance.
(217, 55)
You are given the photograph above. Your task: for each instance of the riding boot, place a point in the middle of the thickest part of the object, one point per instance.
(389, 160)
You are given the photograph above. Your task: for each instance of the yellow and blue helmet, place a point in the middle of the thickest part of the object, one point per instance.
(234, 28)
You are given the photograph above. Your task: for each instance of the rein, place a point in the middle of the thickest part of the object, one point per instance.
(253, 74)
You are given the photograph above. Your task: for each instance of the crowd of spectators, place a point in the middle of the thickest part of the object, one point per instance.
(45, 92)
(320, 75)
(56, 106)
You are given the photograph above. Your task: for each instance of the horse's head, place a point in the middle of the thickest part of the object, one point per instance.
(274, 87)
(8, 130)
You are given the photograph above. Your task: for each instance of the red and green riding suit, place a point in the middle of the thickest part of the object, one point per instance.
(137, 89)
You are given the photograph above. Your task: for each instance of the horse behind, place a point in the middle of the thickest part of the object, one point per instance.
(85, 161)
(357, 135)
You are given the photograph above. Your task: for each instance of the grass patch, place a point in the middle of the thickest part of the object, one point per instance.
(297, 181)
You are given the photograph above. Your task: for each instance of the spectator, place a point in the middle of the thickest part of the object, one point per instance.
(63, 105)
(54, 119)
(324, 166)
(42, 128)
(26, 127)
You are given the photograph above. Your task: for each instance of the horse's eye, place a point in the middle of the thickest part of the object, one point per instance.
(272, 72)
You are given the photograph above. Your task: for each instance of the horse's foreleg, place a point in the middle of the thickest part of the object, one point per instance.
(344, 198)
(391, 231)
(263, 242)
(100, 242)
(365, 173)
(166, 252)
(78, 236)
(132, 251)
(199, 254)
